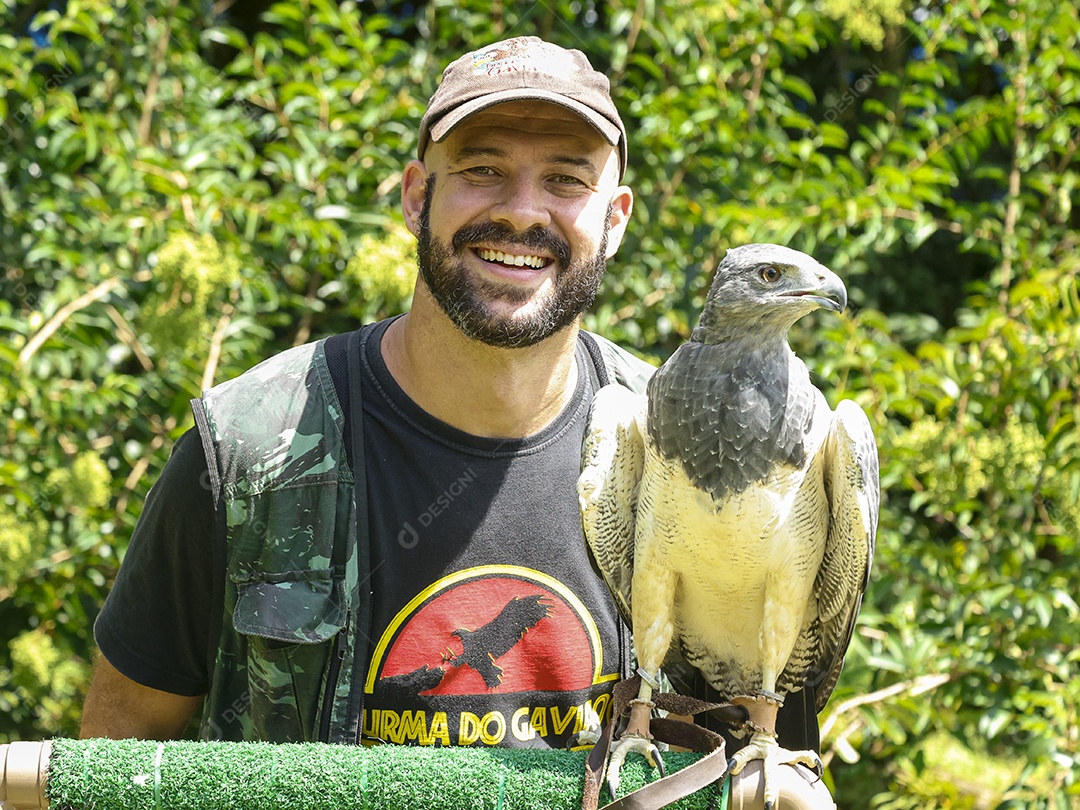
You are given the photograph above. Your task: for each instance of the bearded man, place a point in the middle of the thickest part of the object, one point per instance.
(376, 536)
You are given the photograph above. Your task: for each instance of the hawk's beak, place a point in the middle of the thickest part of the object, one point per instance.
(828, 293)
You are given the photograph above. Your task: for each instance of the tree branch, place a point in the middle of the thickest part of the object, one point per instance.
(916, 686)
(62, 314)
(216, 342)
(129, 338)
(1012, 210)
(303, 329)
(137, 472)
(154, 81)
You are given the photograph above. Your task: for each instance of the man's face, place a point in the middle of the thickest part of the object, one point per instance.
(516, 220)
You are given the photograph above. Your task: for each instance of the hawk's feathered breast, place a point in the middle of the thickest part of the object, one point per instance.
(730, 415)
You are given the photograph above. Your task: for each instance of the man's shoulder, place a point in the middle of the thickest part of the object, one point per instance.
(622, 366)
(291, 392)
(293, 363)
(288, 363)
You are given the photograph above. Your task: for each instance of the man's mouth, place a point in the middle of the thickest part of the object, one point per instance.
(512, 259)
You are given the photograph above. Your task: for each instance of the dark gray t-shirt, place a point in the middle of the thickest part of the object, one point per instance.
(490, 626)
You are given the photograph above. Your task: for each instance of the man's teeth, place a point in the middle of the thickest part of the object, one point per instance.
(507, 258)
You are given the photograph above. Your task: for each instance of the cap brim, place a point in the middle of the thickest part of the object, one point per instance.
(445, 125)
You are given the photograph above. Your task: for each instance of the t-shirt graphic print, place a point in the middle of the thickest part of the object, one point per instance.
(494, 655)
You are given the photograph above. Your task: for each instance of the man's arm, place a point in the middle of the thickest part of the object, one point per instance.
(118, 707)
(152, 631)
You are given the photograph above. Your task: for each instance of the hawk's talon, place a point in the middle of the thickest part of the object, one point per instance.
(656, 760)
(763, 746)
(588, 737)
(623, 746)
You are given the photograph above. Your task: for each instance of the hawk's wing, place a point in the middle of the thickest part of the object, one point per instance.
(854, 490)
(613, 455)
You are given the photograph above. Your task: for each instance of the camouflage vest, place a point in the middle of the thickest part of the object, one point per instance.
(289, 665)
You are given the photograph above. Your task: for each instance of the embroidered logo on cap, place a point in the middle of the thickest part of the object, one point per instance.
(520, 57)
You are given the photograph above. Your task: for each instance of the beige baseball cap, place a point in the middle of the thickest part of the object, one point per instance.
(516, 69)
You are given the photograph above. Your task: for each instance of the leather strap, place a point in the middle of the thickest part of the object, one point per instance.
(707, 770)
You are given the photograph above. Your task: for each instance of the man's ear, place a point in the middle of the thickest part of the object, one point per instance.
(413, 186)
(622, 204)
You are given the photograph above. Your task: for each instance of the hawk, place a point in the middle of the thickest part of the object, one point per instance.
(731, 511)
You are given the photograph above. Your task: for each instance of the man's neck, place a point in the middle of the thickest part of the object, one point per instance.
(480, 389)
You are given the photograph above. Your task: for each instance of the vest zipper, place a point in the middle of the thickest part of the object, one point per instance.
(340, 651)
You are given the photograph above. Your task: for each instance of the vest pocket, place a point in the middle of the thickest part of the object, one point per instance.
(289, 623)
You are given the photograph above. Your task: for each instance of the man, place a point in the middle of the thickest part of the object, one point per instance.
(377, 536)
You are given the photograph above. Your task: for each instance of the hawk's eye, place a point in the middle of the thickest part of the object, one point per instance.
(770, 273)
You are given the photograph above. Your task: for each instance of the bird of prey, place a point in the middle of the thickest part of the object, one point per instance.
(495, 639)
(730, 510)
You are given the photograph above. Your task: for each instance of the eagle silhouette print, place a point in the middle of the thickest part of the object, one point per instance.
(480, 647)
(495, 639)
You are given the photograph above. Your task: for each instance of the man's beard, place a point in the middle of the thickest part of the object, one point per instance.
(466, 299)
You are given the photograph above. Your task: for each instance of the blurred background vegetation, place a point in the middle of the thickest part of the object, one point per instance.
(188, 188)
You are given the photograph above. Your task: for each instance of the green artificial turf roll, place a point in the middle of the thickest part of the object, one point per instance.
(131, 774)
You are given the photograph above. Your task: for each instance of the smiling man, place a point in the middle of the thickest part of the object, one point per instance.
(376, 536)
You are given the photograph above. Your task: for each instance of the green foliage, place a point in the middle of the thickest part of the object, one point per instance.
(383, 271)
(43, 682)
(866, 20)
(191, 275)
(946, 773)
(20, 543)
(183, 194)
(86, 484)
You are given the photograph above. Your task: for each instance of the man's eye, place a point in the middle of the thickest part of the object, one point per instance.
(483, 171)
(568, 180)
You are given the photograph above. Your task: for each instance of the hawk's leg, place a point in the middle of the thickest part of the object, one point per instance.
(654, 627)
(636, 737)
(763, 745)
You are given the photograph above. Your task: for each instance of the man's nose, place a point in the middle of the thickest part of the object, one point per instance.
(522, 206)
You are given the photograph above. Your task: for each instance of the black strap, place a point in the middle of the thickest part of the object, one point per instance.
(593, 348)
(362, 631)
(217, 619)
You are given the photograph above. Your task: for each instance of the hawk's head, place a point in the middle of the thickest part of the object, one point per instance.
(764, 289)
